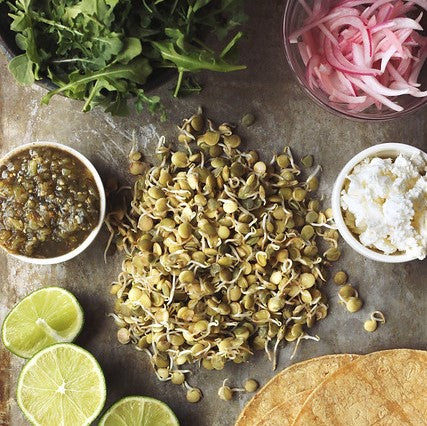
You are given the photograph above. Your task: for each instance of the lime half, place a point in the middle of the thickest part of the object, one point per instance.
(139, 411)
(61, 385)
(47, 316)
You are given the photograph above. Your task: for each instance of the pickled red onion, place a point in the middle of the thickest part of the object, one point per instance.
(363, 53)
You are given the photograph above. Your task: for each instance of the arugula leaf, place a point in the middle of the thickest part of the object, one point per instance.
(131, 49)
(102, 10)
(152, 102)
(104, 51)
(22, 69)
(193, 59)
(137, 71)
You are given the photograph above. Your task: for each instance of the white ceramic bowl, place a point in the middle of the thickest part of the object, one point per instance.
(385, 150)
(89, 239)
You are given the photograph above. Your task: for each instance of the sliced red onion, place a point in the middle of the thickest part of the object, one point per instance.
(371, 9)
(361, 53)
(390, 40)
(303, 52)
(386, 56)
(412, 90)
(384, 13)
(406, 23)
(376, 96)
(346, 82)
(397, 77)
(342, 97)
(421, 3)
(376, 86)
(337, 60)
(356, 22)
(415, 72)
(293, 38)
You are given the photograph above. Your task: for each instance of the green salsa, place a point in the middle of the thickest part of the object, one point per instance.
(49, 202)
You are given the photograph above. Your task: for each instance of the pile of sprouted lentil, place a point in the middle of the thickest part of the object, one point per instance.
(221, 253)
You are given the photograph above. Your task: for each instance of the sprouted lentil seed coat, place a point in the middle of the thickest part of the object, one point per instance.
(49, 202)
(215, 264)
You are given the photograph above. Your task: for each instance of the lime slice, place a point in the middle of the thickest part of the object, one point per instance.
(139, 411)
(61, 385)
(47, 316)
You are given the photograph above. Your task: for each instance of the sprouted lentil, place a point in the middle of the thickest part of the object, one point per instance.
(177, 378)
(221, 254)
(349, 297)
(340, 278)
(371, 324)
(251, 385)
(194, 395)
(353, 304)
(347, 291)
(225, 392)
(247, 120)
(307, 161)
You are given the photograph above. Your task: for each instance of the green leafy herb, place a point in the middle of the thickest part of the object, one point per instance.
(22, 69)
(105, 51)
(190, 59)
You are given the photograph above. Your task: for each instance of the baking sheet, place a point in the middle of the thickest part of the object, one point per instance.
(285, 116)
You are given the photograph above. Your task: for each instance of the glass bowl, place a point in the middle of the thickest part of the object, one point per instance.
(293, 20)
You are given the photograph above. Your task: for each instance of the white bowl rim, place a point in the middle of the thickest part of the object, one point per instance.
(390, 149)
(102, 201)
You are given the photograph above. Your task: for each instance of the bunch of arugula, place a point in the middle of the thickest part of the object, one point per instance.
(104, 51)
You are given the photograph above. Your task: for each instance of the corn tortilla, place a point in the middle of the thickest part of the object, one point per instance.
(297, 378)
(382, 388)
(285, 413)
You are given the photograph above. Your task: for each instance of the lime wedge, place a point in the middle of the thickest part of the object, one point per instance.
(139, 411)
(47, 316)
(61, 385)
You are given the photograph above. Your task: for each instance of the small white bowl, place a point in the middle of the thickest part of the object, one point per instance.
(385, 150)
(102, 201)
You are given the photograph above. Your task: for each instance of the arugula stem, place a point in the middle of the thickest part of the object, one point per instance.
(174, 7)
(85, 80)
(91, 18)
(64, 61)
(55, 24)
(64, 27)
(91, 96)
(178, 83)
(201, 44)
(146, 6)
(231, 44)
(12, 6)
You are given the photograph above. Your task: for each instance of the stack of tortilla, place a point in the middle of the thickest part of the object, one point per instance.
(382, 388)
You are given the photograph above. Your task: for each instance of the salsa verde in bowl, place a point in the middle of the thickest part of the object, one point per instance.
(52, 203)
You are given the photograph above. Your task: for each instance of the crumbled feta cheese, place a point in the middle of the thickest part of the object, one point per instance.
(388, 198)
